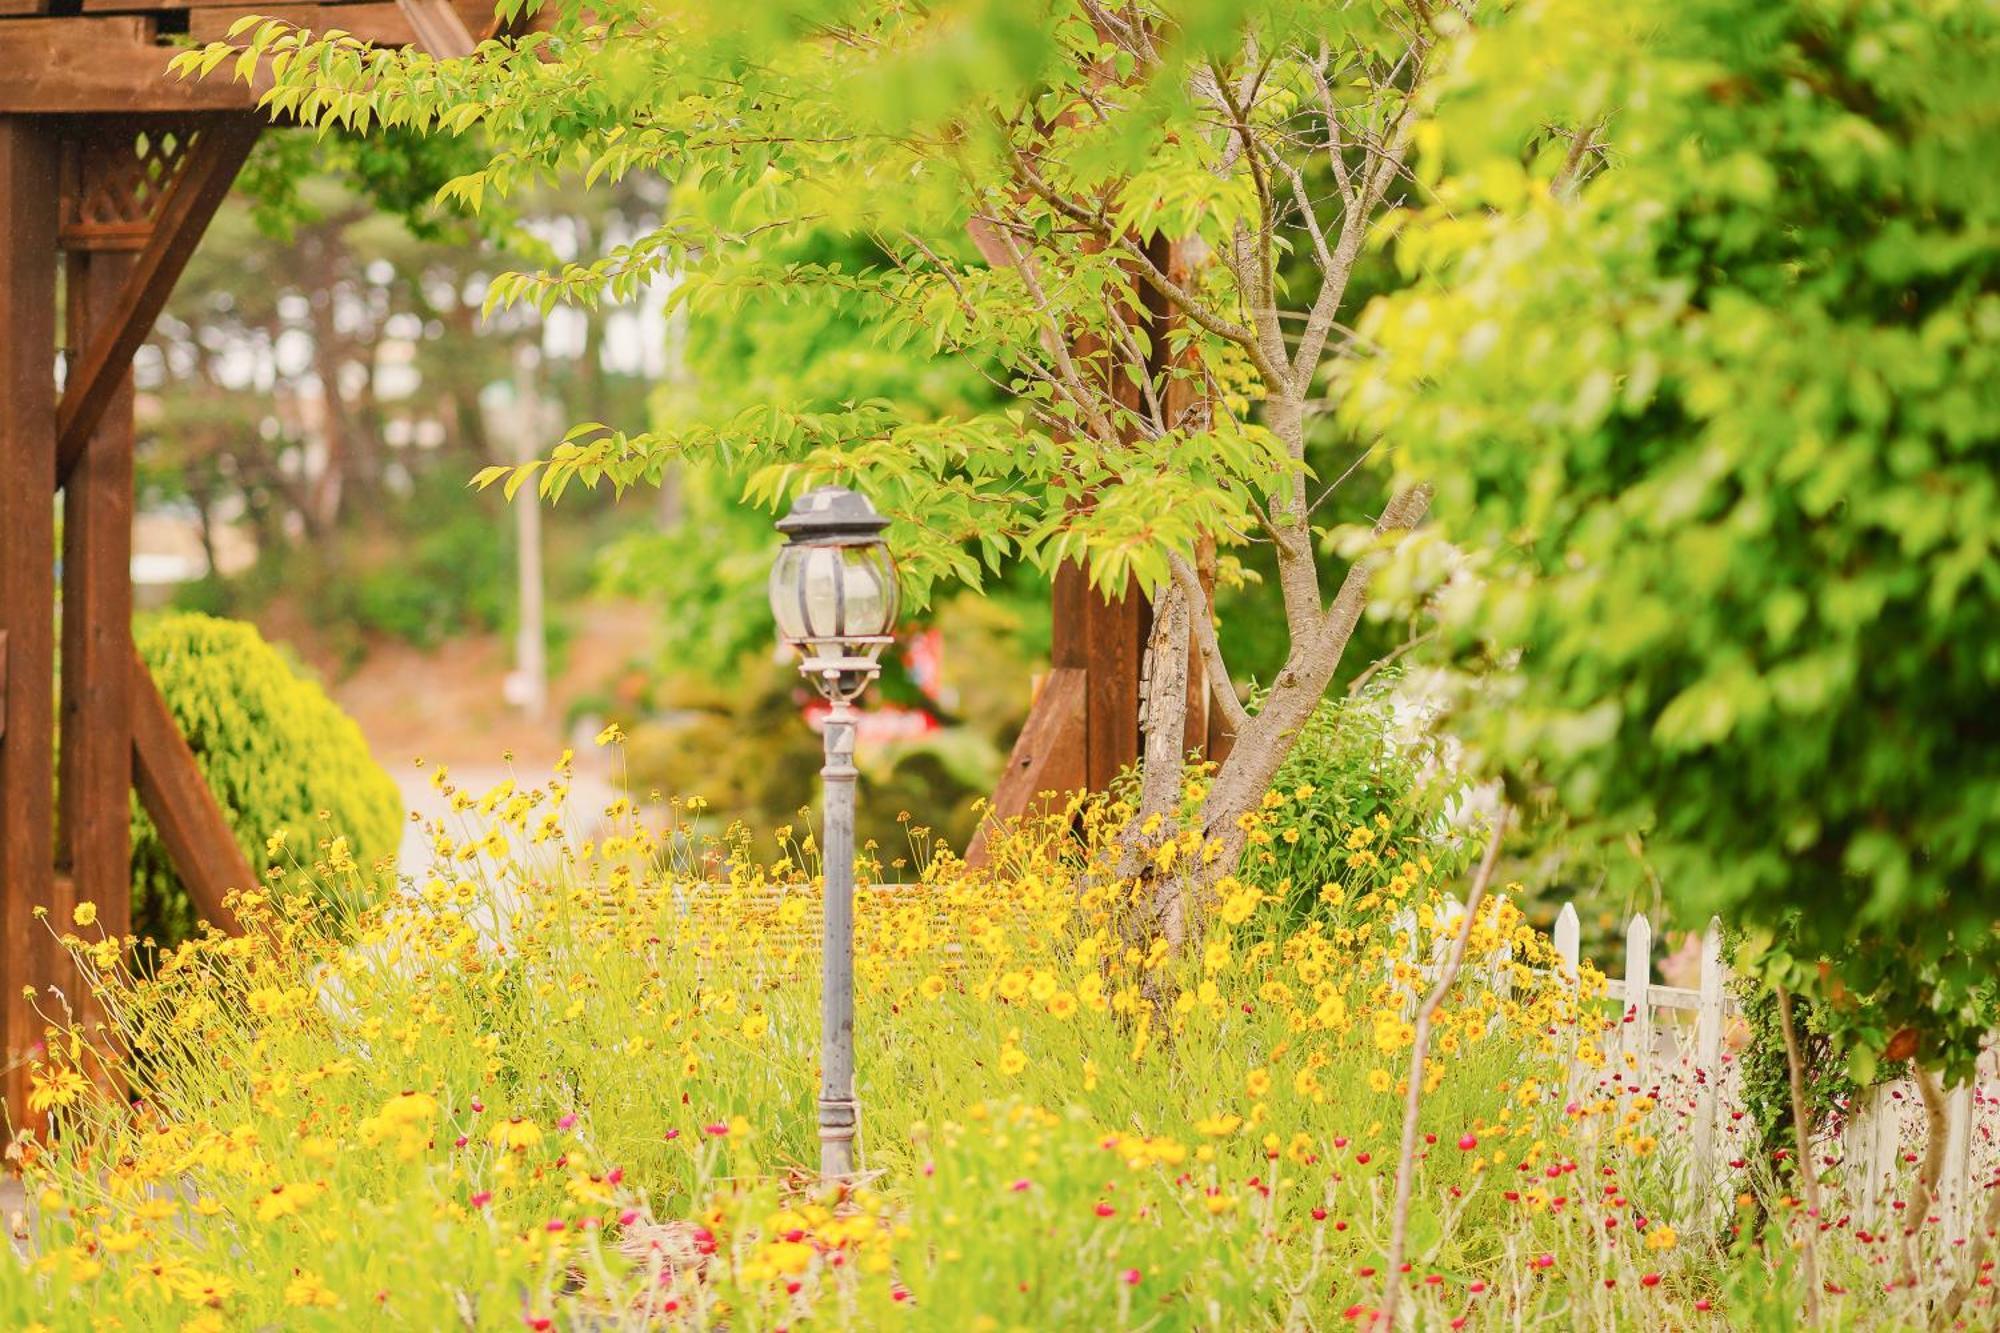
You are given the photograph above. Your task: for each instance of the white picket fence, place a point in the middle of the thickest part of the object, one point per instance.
(1686, 1064)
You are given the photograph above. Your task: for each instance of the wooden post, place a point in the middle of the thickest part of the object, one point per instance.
(95, 763)
(27, 580)
(1111, 636)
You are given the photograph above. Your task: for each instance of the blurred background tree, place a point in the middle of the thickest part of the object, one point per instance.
(1721, 424)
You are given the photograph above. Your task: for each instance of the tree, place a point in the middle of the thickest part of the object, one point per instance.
(1092, 203)
(1724, 418)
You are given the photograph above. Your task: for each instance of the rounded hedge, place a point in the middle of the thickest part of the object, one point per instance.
(277, 753)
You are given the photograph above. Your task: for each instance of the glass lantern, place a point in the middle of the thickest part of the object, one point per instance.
(833, 587)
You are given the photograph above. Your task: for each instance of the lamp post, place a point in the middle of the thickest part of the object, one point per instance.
(833, 591)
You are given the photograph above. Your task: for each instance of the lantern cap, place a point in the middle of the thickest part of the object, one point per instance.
(831, 513)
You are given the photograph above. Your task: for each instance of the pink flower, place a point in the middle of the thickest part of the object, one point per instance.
(715, 1131)
(481, 1199)
(1020, 1187)
(557, 1224)
(628, 1217)
(567, 1122)
(672, 1134)
(1468, 1142)
(1130, 1277)
(1105, 1209)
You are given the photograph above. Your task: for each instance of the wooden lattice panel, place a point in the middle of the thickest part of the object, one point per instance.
(118, 177)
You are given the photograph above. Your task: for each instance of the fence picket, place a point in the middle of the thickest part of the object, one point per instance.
(1638, 1023)
(1957, 1177)
(1569, 941)
(1708, 1059)
(1871, 1142)
(1569, 954)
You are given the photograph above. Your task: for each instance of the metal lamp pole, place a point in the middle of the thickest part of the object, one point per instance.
(839, 1113)
(834, 594)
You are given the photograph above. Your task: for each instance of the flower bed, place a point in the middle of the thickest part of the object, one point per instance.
(553, 1087)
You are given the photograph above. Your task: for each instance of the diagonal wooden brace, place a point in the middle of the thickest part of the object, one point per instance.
(174, 793)
(213, 161)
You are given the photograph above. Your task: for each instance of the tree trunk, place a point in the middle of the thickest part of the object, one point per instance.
(1165, 721)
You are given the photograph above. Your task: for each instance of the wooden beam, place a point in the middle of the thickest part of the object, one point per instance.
(28, 157)
(439, 29)
(94, 762)
(102, 66)
(191, 825)
(1048, 756)
(383, 24)
(214, 158)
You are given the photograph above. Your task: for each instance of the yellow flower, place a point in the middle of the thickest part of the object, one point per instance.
(50, 1088)
(516, 1135)
(1258, 1084)
(1661, 1238)
(1379, 1080)
(1012, 1060)
(611, 735)
(1062, 1004)
(85, 914)
(287, 1200)
(409, 1108)
(307, 1290)
(931, 987)
(1218, 1126)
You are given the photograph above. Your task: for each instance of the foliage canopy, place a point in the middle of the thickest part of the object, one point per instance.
(1725, 421)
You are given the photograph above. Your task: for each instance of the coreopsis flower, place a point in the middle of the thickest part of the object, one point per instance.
(307, 1291)
(515, 1135)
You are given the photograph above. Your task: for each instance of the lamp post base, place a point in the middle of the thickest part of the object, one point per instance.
(839, 1126)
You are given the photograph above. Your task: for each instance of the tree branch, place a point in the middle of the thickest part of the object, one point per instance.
(1406, 1160)
(1201, 618)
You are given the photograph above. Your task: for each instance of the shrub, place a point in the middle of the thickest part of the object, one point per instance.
(1349, 770)
(275, 750)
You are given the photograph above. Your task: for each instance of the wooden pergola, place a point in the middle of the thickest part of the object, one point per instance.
(110, 170)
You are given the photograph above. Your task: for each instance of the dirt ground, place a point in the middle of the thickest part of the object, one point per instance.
(446, 705)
